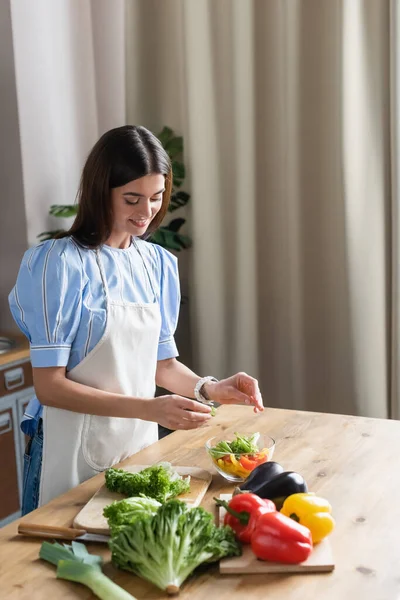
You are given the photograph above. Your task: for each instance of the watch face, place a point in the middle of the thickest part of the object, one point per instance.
(199, 391)
(203, 392)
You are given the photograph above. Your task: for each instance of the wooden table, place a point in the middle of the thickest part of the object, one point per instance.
(352, 461)
(19, 352)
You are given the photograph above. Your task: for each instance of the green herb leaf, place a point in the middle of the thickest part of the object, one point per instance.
(240, 445)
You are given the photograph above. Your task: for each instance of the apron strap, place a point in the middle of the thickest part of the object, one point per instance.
(146, 269)
(103, 276)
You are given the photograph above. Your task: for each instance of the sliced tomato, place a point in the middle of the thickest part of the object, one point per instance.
(251, 461)
(247, 463)
(262, 457)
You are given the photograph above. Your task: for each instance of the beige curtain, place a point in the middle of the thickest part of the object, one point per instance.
(285, 111)
(394, 325)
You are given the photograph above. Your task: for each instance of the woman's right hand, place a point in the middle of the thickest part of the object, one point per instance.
(177, 412)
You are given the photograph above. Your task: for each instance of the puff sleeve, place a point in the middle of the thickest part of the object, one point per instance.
(46, 300)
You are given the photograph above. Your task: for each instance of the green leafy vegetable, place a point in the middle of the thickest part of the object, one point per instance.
(160, 481)
(213, 411)
(125, 512)
(76, 564)
(166, 548)
(240, 445)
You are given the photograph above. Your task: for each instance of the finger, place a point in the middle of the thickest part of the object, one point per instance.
(258, 402)
(250, 385)
(241, 398)
(193, 405)
(195, 416)
(238, 397)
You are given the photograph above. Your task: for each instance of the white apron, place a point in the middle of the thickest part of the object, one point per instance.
(77, 446)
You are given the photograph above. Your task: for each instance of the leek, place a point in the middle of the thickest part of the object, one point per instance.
(75, 563)
(100, 584)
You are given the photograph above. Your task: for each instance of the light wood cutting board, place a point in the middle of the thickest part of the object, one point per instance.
(91, 517)
(320, 560)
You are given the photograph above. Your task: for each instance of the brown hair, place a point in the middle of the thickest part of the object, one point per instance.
(120, 156)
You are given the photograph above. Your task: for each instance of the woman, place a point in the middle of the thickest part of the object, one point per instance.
(99, 306)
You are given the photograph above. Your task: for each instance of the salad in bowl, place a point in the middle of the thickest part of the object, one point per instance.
(235, 459)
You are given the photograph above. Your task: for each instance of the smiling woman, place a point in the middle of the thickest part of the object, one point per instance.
(100, 306)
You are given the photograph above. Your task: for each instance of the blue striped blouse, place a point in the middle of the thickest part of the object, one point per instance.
(58, 301)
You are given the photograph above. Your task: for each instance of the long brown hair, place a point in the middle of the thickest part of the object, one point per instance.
(120, 156)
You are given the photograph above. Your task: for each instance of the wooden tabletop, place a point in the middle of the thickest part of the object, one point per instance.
(352, 461)
(19, 352)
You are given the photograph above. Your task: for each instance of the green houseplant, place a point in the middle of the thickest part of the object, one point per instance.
(169, 236)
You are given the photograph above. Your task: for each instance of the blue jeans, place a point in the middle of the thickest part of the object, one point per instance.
(32, 470)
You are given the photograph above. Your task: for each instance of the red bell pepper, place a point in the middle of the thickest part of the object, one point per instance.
(243, 512)
(278, 538)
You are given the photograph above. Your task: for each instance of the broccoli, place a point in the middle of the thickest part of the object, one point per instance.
(167, 547)
(125, 512)
(160, 482)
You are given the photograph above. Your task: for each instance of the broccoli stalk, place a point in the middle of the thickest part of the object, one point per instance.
(166, 548)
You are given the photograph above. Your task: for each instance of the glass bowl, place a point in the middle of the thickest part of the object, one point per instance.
(237, 467)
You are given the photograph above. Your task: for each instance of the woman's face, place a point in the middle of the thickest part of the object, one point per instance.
(136, 204)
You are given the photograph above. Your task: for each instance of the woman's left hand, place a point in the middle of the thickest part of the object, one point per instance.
(238, 389)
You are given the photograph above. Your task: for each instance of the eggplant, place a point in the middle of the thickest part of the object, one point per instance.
(273, 483)
(282, 486)
(260, 476)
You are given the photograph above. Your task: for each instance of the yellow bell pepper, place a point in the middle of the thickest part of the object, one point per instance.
(233, 467)
(311, 511)
(239, 469)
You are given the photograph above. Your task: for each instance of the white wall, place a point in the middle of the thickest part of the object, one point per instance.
(56, 99)
(13, 230)
(70, 70)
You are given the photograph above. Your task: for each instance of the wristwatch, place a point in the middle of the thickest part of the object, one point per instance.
(199, 393)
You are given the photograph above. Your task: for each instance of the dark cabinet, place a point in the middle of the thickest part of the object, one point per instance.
(9, 479)
(15, 392)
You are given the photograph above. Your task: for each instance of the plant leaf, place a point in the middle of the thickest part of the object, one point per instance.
(174, 146)
(171, 240)
(178, 199)
(175, 224)
(63, 210)
(178, 170)
(48, 235)
(165, 135)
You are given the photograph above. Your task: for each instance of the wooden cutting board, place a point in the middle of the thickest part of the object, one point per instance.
(91, 517)
(320, 560)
